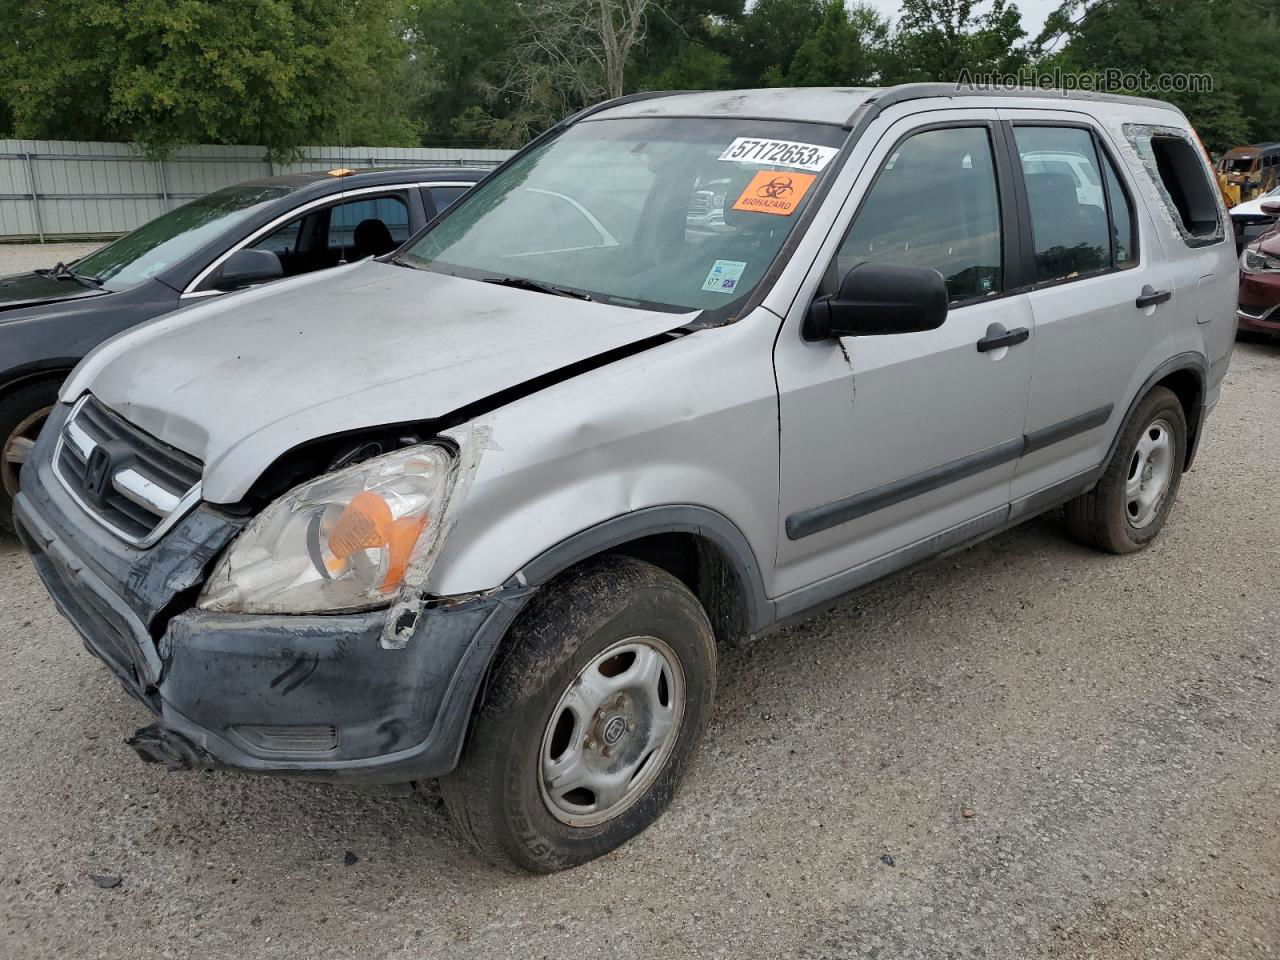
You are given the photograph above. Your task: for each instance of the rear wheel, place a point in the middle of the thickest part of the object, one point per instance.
(22, 414)
(598, 702)
(1132, 500)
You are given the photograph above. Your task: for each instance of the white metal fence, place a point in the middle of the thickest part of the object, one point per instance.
(58, 189)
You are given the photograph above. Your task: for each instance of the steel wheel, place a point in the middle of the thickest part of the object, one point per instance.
(611, 732)
(17, 448)
(1150, 473)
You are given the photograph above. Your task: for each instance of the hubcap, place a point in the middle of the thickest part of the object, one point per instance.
(17, 448)
(1150, 473)
(612, 731)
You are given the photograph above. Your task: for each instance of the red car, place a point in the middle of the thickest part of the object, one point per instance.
(1259, 310)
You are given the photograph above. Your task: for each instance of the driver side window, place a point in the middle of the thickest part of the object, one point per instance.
(934, 204)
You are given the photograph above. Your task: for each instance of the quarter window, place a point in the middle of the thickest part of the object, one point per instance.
(934, 204)
(1069, 222)
(443, 197)
(1178, 168)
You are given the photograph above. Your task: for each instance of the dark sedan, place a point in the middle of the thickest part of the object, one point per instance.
(233, 238)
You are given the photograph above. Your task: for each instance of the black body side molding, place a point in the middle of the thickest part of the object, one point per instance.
(805, 523)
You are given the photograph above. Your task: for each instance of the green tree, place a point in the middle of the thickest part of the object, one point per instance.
(684, 46)
(459, 52)
(941, 39)
(164, 73)
(1230, 42)
(692, 66)
(843, 51)
(763, 43)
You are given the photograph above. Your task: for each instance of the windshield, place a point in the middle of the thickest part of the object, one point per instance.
(171, 236)
(669, 213)
(1239, 165)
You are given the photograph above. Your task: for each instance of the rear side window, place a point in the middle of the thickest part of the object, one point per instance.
(1177, 167)
(390, 212)
(1068, 204)
(934, 204)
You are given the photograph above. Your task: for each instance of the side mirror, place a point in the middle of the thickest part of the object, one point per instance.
(246, 267)
(880, 298)
(1270, 207)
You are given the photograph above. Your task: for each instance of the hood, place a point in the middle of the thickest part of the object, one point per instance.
(240, 380)
(35, 289)
(1251, 207)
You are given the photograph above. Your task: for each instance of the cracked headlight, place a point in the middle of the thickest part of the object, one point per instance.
(344, 541)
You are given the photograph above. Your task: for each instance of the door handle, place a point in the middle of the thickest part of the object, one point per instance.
(1150, 296)
(997, 337)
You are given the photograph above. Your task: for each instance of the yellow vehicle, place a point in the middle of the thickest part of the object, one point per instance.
(1250, 171)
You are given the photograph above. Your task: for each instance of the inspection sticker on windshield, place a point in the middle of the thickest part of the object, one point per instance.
(773, 192)
(724, 276)
(779, 153)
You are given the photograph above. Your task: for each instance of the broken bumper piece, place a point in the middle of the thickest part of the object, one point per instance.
(319, 697)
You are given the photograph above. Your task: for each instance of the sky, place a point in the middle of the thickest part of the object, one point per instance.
(1033, 12)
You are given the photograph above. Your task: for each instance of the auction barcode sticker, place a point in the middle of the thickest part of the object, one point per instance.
(779, 153)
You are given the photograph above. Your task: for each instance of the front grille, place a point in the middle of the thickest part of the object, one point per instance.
(129, 481)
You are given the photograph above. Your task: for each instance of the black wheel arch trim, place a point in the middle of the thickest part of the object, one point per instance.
(1189, 361)
(38, 370)
(758, 612)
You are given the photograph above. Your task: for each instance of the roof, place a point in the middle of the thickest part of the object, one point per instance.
(827, 104)
(813, 104)
(370, 176)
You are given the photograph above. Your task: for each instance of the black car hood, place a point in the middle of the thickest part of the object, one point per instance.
(33, 289)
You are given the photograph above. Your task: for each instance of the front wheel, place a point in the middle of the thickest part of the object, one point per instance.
(1132, 499)
(22, 414)
(593, 711)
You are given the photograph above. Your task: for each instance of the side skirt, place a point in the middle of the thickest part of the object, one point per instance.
(800, 603)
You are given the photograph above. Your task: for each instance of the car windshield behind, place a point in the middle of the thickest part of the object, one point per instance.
(670, 213)
(172, 236)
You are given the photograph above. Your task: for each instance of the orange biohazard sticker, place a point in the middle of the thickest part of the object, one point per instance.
(772, 192)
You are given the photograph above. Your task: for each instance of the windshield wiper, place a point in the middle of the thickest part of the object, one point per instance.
(60, 271)
(538, 286)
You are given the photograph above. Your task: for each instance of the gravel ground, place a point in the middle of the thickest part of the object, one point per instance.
(19, 257)
(1024, 750)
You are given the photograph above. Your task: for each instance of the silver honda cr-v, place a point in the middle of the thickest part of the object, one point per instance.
(686, 366)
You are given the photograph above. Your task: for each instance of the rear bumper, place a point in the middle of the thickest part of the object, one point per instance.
(317, 697)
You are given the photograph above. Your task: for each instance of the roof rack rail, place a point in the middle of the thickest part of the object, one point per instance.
(905, 92)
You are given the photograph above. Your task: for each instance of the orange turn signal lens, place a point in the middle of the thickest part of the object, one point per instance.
(366, 523)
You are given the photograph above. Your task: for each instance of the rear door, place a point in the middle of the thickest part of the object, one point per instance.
(1099, 290)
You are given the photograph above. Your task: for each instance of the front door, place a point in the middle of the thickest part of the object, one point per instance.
(894, 445)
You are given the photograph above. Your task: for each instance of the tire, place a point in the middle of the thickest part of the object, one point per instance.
(1112, 516)
(22, 413)
(551, 666)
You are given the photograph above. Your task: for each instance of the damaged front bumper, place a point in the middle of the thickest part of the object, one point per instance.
(318, 696)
